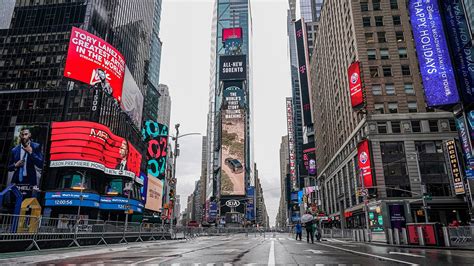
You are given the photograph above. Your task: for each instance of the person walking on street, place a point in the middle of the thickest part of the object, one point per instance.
(309, 231)
(299, 230)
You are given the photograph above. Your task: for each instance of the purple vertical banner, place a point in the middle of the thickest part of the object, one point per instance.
(433, 55)
(397, 216)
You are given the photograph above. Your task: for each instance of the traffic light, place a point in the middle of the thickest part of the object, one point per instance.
(171, 194)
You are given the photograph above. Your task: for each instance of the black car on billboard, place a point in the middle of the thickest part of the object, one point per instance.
(234, 165)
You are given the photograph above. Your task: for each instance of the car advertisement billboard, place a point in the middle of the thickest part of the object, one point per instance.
(231, 33)
(455, 167)
(232, 67)
(25, 163)
(93, 61)
(92, 145)
(355, 84)
(433, 54)
(301, 41)
(154, 195)
(291, 144)
(364, 163)
(132, 99)
(156, 137)
(233, 140)
(309, 159)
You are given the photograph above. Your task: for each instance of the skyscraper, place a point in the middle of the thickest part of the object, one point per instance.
(164, 105)
(284, 163)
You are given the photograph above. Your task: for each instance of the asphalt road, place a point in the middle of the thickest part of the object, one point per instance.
(241, 249)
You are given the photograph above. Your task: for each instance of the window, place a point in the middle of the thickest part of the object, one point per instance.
(409, 88)
(452, 125)
(376, 90)
(366, 21)
(406, 70)
(378, 21)
(412, 107)
(395, 169)
(433, 124)
(433, 168)
(369, 37)
(379, 108)
(402, 53)
(393, 4)
(364, 6)
(415, 126)
(390, 89)
(399, 36)
(397, 20)
(381, 37)
(382, 127)
(371, 55)
(72, 181)
(396, 127)
(387, 71)
(384, 54)
(393, 108)
(376, 4)
(374, 72)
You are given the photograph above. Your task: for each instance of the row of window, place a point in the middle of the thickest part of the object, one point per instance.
(364, 5)
(384, 53)
(384, 127)
(387, 71)
(390, 89)
(367, 21)
(392, 107)
(381, 37)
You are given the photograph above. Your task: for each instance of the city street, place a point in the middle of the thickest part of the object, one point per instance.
(241, 249)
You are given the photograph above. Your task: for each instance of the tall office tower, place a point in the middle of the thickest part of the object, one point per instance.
(164, 105)
(284, 189)
(230, 122)
(34, 42)
(310, 13)
(376, 139)
(202, 181)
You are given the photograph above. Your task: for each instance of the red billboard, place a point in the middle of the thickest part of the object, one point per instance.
(363, 160)
(231, 33)
(93, 61)
(92, 145)
(355, 84)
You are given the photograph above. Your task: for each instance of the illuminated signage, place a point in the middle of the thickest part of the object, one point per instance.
(291, 143)
(364, 162)
(232, 67)
(301, 41)
(355, 84)
(455, 170)
(156, 137)
(231, 33)
(309, 159)
(433, 54)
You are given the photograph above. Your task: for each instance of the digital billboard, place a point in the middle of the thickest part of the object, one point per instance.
(154, 195)
(233, 47)
(25, 164)
(231, 33)
(309, 159)
(364, 162)
(455, 167)
(433, 54)
(92, 145)
(355, 84)
(291, 144)
(301, 41)
(156, 137)
(132, 99)
(233, 140)
(250, 212)
(93, 61)
(232, 67)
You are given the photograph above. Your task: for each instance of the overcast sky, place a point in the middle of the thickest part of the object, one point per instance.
(186, 33)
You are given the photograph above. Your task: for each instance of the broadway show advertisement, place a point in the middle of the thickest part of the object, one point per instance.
(154, 194)
(455, 169)
(433, 53)
(232, 67)
(301, 41)
(93, 145)
(25, 164)
(93, 61)
(233, 140)
(156, 137)
(309, 159)
(364, 162)
(355, 84)
(291, 143)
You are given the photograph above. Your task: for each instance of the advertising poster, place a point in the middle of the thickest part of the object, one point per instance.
(154, 195)
(213, 209)
(301, 41)
(233, 140)
(132, 99)
(291, 144)
(232, 67)
(231, 33)
(363, 159)
(250, 212)
(92, 145)
(93, 61)
(156, 137)
(455, 169)
(25, 163)
(355, 84)
(397, 216)
(433, 54)
(309, 160)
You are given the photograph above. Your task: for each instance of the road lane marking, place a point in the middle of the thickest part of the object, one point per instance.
(406, 254)
(271, 256)
(368, 254)
(314, 251)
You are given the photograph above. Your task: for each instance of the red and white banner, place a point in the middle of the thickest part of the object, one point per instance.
(355, 84)
(92, 60)
(92, 145)
(364, 162)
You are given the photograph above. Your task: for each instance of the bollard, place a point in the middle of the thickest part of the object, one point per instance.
(361, 235)
(390, 236)
(354, 236)
(396, 234)
(421, 239)
(404, 236)
(447, 240)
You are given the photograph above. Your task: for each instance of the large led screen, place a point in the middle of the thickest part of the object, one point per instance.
(93, 61)
(92, 145)
(303, 69)
(433, 54)
(132, 101)
(309, 159)
(233, 140)
(154, 195)
(364, 162)
(355, 84)
(232, 67)
(231, 33)
(156, 137)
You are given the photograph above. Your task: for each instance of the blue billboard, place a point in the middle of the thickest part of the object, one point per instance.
(433, 55)
(65, 198)
(250, 212)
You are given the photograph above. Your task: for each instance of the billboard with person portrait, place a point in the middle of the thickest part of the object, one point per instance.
(25, 163)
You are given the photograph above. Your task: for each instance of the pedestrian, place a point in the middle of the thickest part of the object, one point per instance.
(317, 232)
(309, 231)
(299, 230)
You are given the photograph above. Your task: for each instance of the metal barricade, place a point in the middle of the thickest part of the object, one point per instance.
(460, 236)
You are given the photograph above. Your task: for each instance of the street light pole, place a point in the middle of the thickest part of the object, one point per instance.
(425, 205)
(174, 171)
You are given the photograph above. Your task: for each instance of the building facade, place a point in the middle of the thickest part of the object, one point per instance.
(282, 217)
(164, 105)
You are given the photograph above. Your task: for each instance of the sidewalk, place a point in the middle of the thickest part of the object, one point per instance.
(468, 248)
